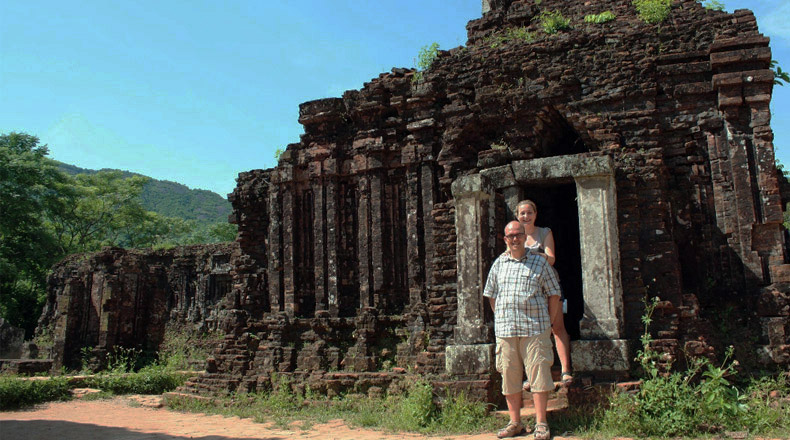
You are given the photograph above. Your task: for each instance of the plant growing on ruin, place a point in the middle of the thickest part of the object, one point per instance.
(780, 75)
(553, 22)
(425, 59)
(603, 17)
(653, 11)
(712, 5)
(510, 34)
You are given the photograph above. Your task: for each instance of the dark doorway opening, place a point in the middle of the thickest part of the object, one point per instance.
(558, 210)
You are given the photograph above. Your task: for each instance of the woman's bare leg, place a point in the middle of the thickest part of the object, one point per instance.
(563, 341)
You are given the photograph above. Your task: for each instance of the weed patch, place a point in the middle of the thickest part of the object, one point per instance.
(16, 392)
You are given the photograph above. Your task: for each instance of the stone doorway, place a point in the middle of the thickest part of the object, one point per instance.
(478, 201)
(558, 209)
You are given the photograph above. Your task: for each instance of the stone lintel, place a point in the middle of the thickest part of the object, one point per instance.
(547, 168)
(611, 355)
(561, 167)
(470, 359)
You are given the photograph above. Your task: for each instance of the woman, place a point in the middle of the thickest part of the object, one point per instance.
(541, 241)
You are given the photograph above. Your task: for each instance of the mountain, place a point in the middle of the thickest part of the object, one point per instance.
(172, 199)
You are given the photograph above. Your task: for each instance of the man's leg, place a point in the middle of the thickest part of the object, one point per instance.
(539, 357)
(514, 407)
(541, 403)
(510, 364)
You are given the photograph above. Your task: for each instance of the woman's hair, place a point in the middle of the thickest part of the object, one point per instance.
(526, 202)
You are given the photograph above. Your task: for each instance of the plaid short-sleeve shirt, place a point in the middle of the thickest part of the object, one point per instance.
(521, 289)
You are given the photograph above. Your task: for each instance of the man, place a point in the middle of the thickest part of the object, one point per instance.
(524, 293)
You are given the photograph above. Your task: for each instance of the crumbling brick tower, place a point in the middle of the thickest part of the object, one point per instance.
(649, 153)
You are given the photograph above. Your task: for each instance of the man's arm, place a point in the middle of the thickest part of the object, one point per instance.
(492, 301)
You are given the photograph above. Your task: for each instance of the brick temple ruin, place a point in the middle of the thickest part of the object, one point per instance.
(363, 253)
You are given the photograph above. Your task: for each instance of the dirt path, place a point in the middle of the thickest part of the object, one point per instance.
(115, 419)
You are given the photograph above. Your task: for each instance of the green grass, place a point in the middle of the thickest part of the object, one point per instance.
(417, 410)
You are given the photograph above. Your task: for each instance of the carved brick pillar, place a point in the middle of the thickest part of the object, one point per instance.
(748, 182)
(332, 235)
(274, 252)
(427, 177)
(472, 353)
(319, 239)
(363, 242)
(415, 260)
(65, 328)
(376, 236)
(286, 179)
(108, 312)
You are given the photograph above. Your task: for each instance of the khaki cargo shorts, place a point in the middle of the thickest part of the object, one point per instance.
(533, 354)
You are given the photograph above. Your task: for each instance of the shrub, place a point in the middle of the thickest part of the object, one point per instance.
(603, 17)
(153, 379)
(653, 11)
(554, 22)
(18, 393)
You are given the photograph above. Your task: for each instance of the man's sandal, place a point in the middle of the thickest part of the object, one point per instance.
(542, 431)
(511, 430)
(566, 378)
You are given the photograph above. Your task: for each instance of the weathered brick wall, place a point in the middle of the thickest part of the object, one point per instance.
(128, 298)
(358, 217)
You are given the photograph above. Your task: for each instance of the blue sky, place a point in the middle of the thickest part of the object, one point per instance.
(197, 91)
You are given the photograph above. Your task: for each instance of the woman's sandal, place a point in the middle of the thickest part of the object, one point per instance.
(542, 431)
(566, 378)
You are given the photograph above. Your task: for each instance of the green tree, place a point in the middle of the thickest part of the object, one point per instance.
(29, 185)
(101, 209)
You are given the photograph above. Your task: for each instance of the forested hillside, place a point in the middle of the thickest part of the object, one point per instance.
(172, 199)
